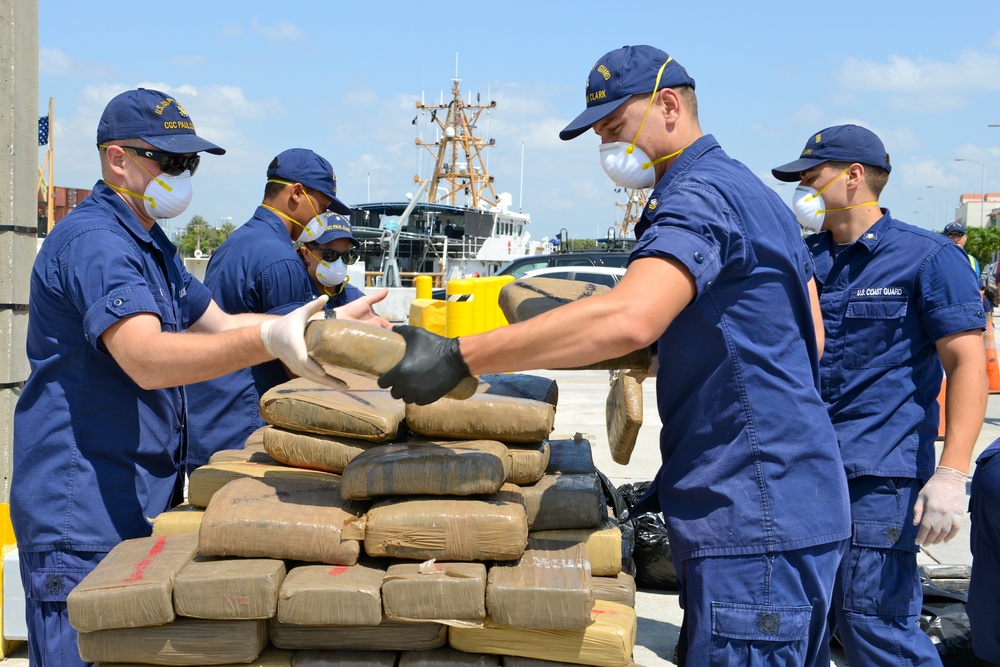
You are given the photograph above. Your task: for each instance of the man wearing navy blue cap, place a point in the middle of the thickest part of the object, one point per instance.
(256, 270)
(898, 303)
(751, 484)
(99, 428)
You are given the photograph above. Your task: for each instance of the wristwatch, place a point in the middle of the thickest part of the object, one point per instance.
(331, 314)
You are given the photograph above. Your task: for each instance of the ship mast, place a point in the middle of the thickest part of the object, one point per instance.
(635, 201)
(459, 165)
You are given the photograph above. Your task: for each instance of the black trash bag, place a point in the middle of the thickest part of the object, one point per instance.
(943, 618)
(654, 566)
(620, 507)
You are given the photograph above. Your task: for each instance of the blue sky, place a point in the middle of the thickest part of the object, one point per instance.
(343, 78)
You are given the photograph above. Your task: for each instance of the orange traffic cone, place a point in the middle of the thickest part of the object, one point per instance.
(992, 368)
(941, 402)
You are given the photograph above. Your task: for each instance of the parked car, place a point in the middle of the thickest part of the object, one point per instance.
(599, 275)
(522, 265)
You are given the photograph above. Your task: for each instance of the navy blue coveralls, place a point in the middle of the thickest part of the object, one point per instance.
(751, 484)
(984, 600)
(96, 457)
(886, 299)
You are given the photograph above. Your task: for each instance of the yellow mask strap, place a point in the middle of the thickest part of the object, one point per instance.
(647, 165)
(152, 202)
(656, 87)
(308, 198)
(163, 184)
(284, 215)
(843, 208)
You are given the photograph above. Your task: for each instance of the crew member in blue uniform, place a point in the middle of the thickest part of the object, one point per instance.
(750, 484)
(898, 303)
(256, 270)
(327, 258)
(100, 426)
(984, 602)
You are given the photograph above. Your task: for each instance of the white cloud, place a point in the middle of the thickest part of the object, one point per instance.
(972, 70)
(56, 62)
(282, 30)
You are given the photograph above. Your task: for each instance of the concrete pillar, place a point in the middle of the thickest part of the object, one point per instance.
(18, 208)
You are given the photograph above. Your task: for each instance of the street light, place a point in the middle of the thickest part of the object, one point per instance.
(982, 208)
(934, 201)
(947, 195)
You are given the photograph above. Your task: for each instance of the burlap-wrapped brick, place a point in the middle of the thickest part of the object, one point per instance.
(484, 416)
(604, 545)
(364, 348)
(317, 452)
(228, 589)
(295, 519)
(528, 461)
(327, 658)
(607, 642)
(619, 588)
(185, 518)
(337, 595)
(207, 479)
(436, 591)
(547, 588)
(446, 657)
(448, 528)
(133, 585)
(442, 468)
(185, 641)
(520, 385)
(525, 298)
(560, 502)
(623, 414)
(387, 636)
(570, 455)
(363, 414)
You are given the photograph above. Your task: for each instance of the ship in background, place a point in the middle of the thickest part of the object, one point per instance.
(456, 225)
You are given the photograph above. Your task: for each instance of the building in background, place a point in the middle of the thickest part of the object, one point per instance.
(974, 210)
(64, 201)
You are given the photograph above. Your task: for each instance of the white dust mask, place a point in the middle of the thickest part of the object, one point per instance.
(331, 275)
(627, 168)
(809, 208)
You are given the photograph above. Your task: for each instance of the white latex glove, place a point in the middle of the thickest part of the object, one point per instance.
(284, 337)
(940, 506)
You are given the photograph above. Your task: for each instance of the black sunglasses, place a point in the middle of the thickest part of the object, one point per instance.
(349, 256)
(170, 163)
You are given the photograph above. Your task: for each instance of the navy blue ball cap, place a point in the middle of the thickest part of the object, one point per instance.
(156, 118)
(953, 227)
(840, 143)
(620, 74)
(337, 227)
(301, 165)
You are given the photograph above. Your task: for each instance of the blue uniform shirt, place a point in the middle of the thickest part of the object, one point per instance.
(95, 456)
(750, 460)
(886, 299)
(255, 270)
(348, 294)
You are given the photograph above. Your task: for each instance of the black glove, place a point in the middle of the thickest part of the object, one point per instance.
(431, 367)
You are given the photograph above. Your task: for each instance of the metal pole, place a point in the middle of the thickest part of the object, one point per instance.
(50, 205)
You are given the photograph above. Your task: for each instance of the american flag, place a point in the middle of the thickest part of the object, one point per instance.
(43, 130)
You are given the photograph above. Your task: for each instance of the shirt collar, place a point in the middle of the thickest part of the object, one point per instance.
(274, 221)
(126, 216)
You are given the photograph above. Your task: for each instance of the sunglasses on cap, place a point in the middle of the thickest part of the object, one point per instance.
(174, 164)
(349, 256)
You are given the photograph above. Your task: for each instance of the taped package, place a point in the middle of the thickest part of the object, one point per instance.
(295, 519)
(206, 480)
(185, 641)
(607, 642)
(443, 468)
(528, 461)
(272, 656)
(133, 586)
(448, 528)
(387, 636)
(547, 588)
(364, 348)
(572, 456)
(525, 298)
(229, 589)
(623, 414)
(447, 657)
(520, 385)
(452, 593)
(619, 588)
(337, 595)
(326, 658)
(317, 452)
(363, 414)
(561, 502)
(484, 416)
(184, 518)
(604, 545)
(252, 450)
